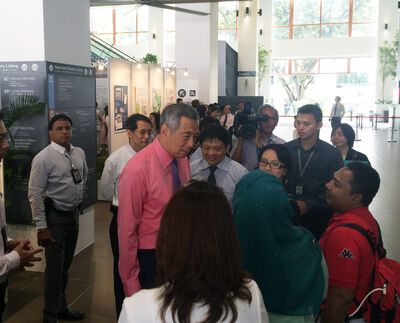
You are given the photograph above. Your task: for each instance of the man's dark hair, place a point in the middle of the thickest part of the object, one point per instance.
(57, 117)
(348, 132)
(268, 106)
(206, 122)
(179, 100)
(131, 123)
(365, 181)
(214, 132)
(195, 103)
(201, 110)
(313, 109)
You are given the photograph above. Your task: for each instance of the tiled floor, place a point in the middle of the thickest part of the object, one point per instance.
(90, 287)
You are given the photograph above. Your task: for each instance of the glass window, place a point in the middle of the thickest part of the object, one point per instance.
(101, 20)
(280, 33)
(143, 38)
(364, 10)
(360, 30)
(335, 65)
(306, 12)
(227, 15)
(126, 38)
(229, 36)
(280, 67)
(280, 12)
(143, 18)
(305, 66)
(335, 11)
(125, 19)
(334, 31)
(306, 32)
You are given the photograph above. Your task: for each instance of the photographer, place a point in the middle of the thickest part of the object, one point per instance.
(246, 150)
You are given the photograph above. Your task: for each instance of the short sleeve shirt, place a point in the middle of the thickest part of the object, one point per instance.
(347, 253)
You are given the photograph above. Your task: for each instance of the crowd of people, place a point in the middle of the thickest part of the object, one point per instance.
(211, 221)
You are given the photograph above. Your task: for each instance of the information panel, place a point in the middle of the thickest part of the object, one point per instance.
(71, 90)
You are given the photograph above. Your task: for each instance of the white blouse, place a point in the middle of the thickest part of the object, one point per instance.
(144, 307)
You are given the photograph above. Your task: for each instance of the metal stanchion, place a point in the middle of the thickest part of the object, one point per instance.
(393, 129)
(357, 123)
(376, 121)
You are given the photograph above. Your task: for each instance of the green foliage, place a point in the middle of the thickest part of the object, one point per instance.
(281, 10)
(263, 66)
(150, 59)
(226, 17)
(24, 106)
(388, 63)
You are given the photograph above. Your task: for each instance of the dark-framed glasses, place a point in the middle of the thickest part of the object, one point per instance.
(273, 164)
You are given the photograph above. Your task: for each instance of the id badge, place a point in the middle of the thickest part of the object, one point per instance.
(299, 189)
(76, 176)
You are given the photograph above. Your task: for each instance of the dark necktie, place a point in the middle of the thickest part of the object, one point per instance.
(211, 177)
(175, 176)
(226, 119)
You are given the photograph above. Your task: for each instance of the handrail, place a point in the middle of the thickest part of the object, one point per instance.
(107, 48)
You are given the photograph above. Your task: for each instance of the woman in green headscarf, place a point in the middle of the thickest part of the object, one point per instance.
(285, 261)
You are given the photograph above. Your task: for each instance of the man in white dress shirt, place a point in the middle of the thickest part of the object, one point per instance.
(226, 119)
(215, 167)
(138, 130)
(337, 112)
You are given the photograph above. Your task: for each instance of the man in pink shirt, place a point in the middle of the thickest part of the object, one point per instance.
(145, 186)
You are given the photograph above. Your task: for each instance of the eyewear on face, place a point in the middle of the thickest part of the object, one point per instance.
(272, 164)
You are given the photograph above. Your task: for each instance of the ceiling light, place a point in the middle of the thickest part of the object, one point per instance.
(186, 72)
(158, 69)
(173, 72)
(139, 66)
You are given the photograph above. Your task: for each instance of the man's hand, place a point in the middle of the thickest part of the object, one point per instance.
(12, 244)
(302, 207)
(45, 238)
(27, 253)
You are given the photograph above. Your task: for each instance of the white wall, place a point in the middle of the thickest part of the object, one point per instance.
(21, 30)
(196, 47)
(67, 31)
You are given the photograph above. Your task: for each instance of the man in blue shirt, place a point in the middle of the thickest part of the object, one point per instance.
(215, 167)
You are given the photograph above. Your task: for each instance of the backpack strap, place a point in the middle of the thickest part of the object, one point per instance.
(365, 233)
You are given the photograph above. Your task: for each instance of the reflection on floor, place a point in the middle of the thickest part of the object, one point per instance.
(90, 287)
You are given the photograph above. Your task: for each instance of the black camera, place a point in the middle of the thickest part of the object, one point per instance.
(248, 124)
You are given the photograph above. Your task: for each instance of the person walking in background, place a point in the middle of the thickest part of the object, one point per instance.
(104, 132)
(337, 112)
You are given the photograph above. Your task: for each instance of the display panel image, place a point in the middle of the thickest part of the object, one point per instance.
(120, 107)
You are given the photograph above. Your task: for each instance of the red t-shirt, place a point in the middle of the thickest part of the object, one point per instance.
(347, 253)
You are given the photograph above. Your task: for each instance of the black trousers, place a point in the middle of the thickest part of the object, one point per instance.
(335, 121)
(118, 287)
(59, 255)
(3, 287)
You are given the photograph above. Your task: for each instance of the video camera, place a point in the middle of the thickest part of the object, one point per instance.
(246, 124)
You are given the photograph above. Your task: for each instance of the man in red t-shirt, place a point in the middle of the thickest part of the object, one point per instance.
(347, 253)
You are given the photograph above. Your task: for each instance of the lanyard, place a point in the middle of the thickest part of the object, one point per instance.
(302, 170)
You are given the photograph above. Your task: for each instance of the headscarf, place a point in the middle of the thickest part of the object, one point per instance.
(284, 260)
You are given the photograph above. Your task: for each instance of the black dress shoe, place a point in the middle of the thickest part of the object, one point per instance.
(69, 315)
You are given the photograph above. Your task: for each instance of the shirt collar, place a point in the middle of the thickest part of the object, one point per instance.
(59, 148)
(316, 146)
(163, 155)
(222, 165)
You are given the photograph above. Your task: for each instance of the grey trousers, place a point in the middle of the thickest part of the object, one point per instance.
(59, 255)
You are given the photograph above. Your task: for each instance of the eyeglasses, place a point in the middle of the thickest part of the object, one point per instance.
(273, 164)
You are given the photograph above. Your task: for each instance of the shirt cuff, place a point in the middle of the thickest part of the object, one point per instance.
(41, 224)
(13, 259)
(132, 287)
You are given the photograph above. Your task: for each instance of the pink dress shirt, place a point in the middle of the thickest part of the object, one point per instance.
(145, 187)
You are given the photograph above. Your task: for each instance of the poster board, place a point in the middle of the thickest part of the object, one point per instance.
(156, 88)
(170, 88)
(140, 81)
